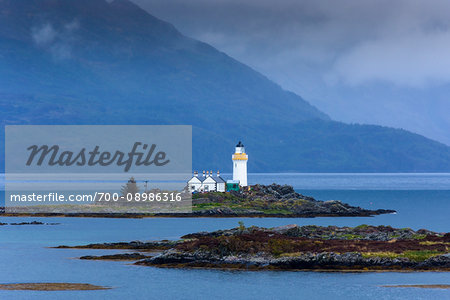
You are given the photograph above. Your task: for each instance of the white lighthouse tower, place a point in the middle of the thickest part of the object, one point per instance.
(240, 159)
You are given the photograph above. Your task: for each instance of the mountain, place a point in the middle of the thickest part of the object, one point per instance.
(423, 110)
(99, 62)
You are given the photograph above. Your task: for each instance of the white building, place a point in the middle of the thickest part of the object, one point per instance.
(207, 183)
(240, 159)
(210, 183)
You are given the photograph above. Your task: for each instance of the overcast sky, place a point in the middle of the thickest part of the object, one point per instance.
(334, 53)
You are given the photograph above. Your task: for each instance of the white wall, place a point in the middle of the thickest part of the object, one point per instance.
(221, 187)
(240, 171)
(196, 186)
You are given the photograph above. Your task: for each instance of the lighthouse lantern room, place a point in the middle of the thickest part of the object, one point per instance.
(240, 159)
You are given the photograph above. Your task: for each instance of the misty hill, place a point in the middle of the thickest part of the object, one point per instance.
(94, 62)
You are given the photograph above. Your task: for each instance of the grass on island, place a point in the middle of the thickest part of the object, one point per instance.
(60, 286)
(413, 255)
(429, 243)
(417, 256)
(228, 200)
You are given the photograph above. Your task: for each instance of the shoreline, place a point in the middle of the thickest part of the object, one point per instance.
(185, 215)
(260, 201)
(324, 270)
(363, 248)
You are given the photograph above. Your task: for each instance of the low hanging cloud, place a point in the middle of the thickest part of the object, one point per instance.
(349, 42)
(415, 61)
(44, 34)
(57, 41)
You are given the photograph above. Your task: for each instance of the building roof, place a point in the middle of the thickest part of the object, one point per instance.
(217, 179)
(209, 177)
(202, 178)
(240, 144)
(232, 181)
(195, 177)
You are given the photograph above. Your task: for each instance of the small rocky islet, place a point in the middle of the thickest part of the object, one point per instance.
(51, 286)
(120, 256)
(293, 247)
(28, 223)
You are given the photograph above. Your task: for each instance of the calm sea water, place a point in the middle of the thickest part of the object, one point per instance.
(422, 201)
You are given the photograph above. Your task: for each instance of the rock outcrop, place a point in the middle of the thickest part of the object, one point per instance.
(272, 200)
(287, 247)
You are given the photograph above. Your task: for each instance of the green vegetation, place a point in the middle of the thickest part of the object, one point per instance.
(205, 206)
(362, 226)
(413, 255)
(421, 255)
(239, 204)
(241, 226)
(419, 236)
(239, 208)
(352, 236)
(278, 246)
(225, 197)
(428, 243)
(380, 254)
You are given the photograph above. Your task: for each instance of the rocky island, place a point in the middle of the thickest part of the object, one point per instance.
(257, 201)
(273, 201)
(291, 247)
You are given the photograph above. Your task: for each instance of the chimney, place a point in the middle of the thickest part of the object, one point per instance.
(218, 173)
(195, 174)
(203, 173)
(207, 173)
(211, 173)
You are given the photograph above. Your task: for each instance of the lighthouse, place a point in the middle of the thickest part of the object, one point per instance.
(240, 159)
